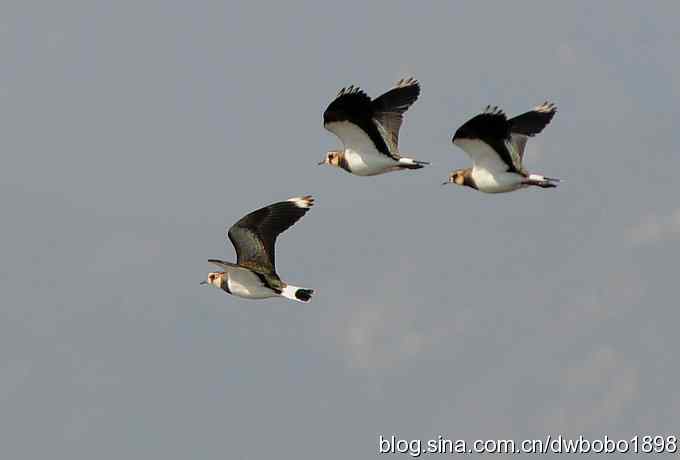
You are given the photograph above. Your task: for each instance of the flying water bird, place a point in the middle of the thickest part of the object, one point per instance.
(369, 129)
(254, 276)
(496, 146)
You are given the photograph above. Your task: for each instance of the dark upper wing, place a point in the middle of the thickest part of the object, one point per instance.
(254, 236)
(388, 109)
(494, 149)
(353, 107)
(530, 123)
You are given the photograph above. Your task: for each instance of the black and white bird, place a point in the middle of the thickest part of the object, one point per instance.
(496, 146)
(254, 276)
(369, 129)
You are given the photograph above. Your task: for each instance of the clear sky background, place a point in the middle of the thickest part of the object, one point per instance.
(134, 132)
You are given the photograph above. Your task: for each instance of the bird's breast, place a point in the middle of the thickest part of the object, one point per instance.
(244, 283)
(495, 183)
(369, 162)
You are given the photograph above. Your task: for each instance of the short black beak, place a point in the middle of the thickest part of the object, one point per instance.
(446, 183)
(321, 162)
(203, 283)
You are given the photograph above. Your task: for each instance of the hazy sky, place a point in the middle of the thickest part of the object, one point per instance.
(134, 132)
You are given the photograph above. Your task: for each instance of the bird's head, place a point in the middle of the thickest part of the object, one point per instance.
(214, 279)
(457, 177)
(332, 158)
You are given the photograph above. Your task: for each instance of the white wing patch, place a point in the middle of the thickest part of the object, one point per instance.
(515, 154)
(482, 156)
(391, 144)
(244, 283)
(302, 201)
(360, 152)
(353, 138)
(519, 142)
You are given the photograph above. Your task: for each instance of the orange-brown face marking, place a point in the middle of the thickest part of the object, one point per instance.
(333, 158)
(215, 278)
(461, 177)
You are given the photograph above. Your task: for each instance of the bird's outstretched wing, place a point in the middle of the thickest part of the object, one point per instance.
(350, 118)
(486, 138)
(530, 123)
(388, 109)
(222, 264)
(254, 236)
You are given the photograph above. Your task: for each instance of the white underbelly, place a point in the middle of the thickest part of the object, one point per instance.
(244, 283)
(369, 163)
(496, 183)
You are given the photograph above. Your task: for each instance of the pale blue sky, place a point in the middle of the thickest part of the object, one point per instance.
(133, 132)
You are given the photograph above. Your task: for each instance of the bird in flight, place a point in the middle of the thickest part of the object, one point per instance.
(495, 144)
(369, 129)
(254, 276)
